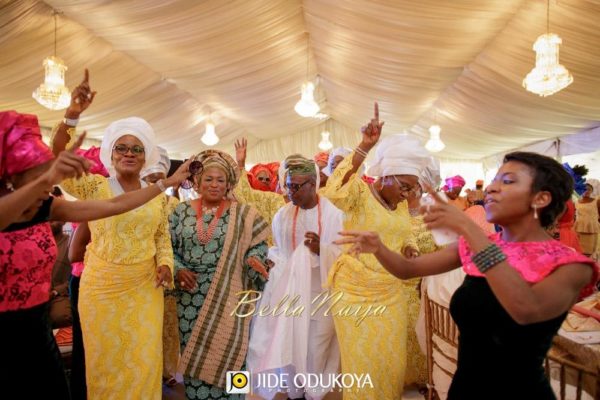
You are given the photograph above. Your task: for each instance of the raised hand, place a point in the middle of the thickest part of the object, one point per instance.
(443, 215)
(81, 98)
(241, 146)
(182, 173)
(371, 132)
(68, 164)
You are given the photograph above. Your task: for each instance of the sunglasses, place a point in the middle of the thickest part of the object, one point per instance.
(265, 179)
(124, 149)
(195, 168)
(294, 187)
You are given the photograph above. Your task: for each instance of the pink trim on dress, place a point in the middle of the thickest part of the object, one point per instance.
(533, 260)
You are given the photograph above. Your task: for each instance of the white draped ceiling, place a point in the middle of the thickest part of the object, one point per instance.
(459, 63)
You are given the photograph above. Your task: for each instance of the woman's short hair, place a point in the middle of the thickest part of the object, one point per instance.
(549, 176)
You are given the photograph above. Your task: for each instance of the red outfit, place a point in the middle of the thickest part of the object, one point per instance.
(567, 234)
(271, 170)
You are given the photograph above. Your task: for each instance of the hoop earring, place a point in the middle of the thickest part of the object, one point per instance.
(535, 213)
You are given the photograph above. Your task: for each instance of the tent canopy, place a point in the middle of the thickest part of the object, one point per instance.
(459, 64)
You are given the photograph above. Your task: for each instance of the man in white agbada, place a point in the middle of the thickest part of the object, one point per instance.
(303, 232)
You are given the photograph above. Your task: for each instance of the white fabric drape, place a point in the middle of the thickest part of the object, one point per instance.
(459, 64)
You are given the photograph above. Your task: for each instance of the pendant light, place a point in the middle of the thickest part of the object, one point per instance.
(548, 76)
(52, 93)
(307, 106)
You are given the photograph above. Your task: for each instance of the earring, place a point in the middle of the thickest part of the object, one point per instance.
(9, 186)
(535, 214)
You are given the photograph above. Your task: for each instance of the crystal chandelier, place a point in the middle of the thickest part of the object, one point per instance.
(210, 138)
(548, 76)
(307, 106)
(325, 144)
(53, 93)
(435, 144)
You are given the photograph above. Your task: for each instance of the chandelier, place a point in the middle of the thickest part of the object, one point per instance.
(548, 76)
(53, 93)
(210, 138)
(307, 106)
(325, 144)
(435, 144)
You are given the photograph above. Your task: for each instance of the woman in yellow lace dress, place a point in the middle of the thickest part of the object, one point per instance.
(587, 223)
(377, 345)
(416, 363)
(129, 258)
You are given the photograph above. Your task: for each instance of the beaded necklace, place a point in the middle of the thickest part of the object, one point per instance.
(296, 220)
(204, 236)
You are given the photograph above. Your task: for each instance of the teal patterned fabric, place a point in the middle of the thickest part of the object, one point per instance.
(202, 259)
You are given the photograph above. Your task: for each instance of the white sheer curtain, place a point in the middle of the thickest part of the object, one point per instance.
(459, 63)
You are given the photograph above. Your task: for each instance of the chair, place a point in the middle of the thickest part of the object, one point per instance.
(438, 323)
(571, 377)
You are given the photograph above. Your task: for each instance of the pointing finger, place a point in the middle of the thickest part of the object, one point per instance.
(78, 142)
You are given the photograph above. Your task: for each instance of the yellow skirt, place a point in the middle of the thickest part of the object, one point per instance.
(121, 314)
(376, 345)
(416, 363)
(588, 242)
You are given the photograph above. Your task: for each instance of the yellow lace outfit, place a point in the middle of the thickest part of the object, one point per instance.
(121, 310)
(376, 346)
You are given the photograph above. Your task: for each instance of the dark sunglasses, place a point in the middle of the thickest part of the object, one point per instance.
(124, 149)
(195, 168)
(294, 187)
(264, 179)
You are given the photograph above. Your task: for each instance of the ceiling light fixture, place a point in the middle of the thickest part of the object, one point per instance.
(210, 138)
(548, 76)
(435, 144)
(325, 144)
(53, 93)
(307, 106)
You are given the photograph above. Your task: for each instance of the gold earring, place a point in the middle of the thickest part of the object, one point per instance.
(535, 214)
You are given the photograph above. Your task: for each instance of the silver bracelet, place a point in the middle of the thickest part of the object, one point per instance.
(360, 152)
(161, 185)
(70, 122)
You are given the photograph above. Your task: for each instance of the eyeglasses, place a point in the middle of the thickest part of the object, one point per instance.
(124, 149)
(404, 188)
(294, 187)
